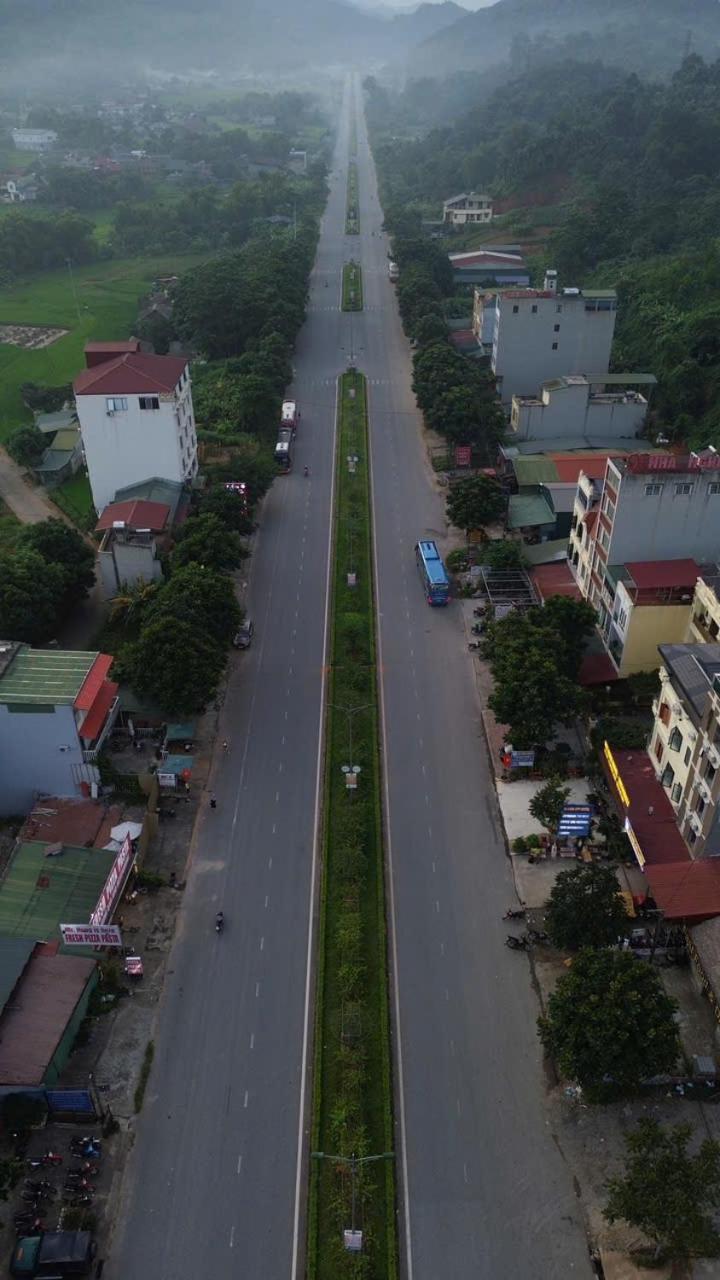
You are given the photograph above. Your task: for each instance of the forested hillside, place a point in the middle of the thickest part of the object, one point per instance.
(629, 172)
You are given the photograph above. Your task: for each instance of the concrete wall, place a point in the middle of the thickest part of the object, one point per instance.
(135, 444)
(571, 411)
(523, 340)
(40, 751)
(668, 525)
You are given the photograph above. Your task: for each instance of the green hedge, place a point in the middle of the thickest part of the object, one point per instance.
(352, 287)
(352, 1080)
(352, 209)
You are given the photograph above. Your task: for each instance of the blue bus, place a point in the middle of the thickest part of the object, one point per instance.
(432, 573)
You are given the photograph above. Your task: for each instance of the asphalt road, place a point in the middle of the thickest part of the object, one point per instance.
(487, 1192)
(212, 1177)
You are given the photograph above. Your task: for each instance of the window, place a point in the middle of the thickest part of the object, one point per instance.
(710, 772)
(686, 757)
(534, 308)
(682, 490)
(115, 404)
(668, 776)
(714, 489)
(149, 402)
(515, 309)
(664, 713)
(604, 540)
(658, 749)
(675, 740)
(691, 836)
(700, 807)
(556, 327)
(622, 619)
(676, 793)
(555, 346)
(653, 490)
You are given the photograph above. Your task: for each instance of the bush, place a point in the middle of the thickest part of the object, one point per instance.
(520, 844)
(457, 560)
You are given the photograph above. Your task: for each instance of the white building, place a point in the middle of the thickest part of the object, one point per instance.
(34, 139)
(136, 420)
(467, 208)
(569, 407)
(543, 334)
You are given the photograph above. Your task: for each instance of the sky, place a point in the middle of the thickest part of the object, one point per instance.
(413, 4)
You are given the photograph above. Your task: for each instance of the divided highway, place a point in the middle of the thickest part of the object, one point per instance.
(213, 1178)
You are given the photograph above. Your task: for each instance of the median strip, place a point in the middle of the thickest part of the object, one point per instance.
(352, 1184)
(352, 289)
(352, 208)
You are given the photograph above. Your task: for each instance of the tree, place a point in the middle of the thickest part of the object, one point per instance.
(58, 543)
(26, 445)
(548, 803)
(428, 328)
(531, 696)
(31, 595)
(205, 540)
(177, 664)
(200, 597)
(610, 1024)
(228, 506)
(503, 554)
(572, 622)
(585, 908)
(668, 1193)
(475, 502)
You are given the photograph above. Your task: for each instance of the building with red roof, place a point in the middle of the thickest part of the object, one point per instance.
(56, 710)
(135, 534)
(136, 418)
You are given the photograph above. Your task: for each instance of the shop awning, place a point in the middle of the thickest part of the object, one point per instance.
(649, 817)
(687, 891)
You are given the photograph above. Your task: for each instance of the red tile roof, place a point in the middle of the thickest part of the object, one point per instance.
(98, 352)
(597, 668)
(135, 514)
(569, 465)
(92, 683)
(132, 373)
(688, 891)
(651, 814)
(649, 575)
(96, 716)
(555, 579)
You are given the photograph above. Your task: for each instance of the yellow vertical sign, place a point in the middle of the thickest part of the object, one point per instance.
(615, 775)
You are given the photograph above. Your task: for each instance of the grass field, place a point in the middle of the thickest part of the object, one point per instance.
(102, 305)
(75, 499)
(352, 1105)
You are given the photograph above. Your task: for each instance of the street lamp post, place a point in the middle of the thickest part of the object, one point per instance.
(355, 1237)
(350, 712)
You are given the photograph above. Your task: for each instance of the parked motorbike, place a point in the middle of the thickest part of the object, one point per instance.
(78, 1202)
(89, 1147)
(34, 1197)
(42, 1187)
(80, 1170)
(514, 913)
(49, 1159)
(473, 646)
(515, 943)
(538, 935)
(29, 1226)
(79, 1187)
(477, 629)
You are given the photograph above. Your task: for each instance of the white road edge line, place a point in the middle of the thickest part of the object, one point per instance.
(395, 981)
(313, 876)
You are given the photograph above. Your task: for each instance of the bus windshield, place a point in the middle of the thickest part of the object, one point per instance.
(432, 573)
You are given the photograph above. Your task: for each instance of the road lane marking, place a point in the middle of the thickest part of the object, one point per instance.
(442, 948)
(232, 1238)
(301, 1138)
(267, 899)
(270, 863)
(239, 1164)
(246, 1099)
(465, 1172)
(277, 797)
(437, 906)
(257, 990)
(274, 828)
(458, 1106)
(433, 866)
(252, 1040)
(262, 943)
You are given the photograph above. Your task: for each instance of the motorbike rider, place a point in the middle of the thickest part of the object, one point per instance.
(306, 471)
(219, 922)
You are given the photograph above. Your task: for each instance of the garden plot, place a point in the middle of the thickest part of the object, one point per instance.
(29, 336)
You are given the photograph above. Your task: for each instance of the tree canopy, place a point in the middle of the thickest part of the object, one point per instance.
(667, 1192)
(585, 908)
(547, 804)
(475, 502)
(609, 1023)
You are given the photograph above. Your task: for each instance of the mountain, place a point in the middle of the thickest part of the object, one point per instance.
(90, 40)
(647, 36)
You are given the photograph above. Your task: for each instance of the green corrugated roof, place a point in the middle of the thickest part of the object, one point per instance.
(535, 469)
(599, 293)
(527, 510)
(625, 380)
(14, 955)
(38, 893)
(44, 676)
(545, 552)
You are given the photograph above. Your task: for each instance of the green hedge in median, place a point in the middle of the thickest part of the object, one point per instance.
(352, 208)
(352, 288)
(352, 1082)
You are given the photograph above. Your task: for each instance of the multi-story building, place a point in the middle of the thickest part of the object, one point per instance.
(34, 139)
(704, 625)
(136, 419)
(654, 506)
(641, 601)
(489, 266)
(544, 334)
(56, 709)
(685, 743)
(134, 533)
(570, 407)
(470, 207)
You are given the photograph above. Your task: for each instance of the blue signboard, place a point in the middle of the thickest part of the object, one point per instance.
(575, 820)
(522, 759)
